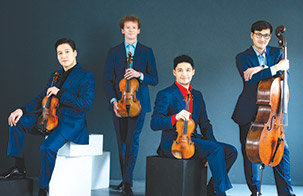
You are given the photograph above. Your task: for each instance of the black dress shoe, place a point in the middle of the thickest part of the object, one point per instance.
(127, 190)
(210, 190)
(43, 192)
(119, 187)
(13, 173)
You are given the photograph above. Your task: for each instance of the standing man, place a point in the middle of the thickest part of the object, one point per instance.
(255, 64)
(75, 91)
(170, 107)
(143, 68)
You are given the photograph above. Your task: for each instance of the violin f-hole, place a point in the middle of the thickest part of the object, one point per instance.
(271, 122)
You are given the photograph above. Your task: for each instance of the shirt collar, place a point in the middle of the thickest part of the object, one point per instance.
(258, 54)
(183, 89)
(70, 70)
(134, 45)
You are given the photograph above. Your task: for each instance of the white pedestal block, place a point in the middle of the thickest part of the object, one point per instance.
(71, 176)
(80, 168)
(95, 147)
(100, 171)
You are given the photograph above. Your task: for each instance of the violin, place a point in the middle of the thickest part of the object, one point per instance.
(129, 105)
(183, 147)
(265, 140)
(48, 120)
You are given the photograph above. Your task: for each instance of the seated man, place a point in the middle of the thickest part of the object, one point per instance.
(170, 107)
(75, 91)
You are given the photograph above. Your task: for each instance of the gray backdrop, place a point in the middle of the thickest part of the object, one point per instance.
(211, 31)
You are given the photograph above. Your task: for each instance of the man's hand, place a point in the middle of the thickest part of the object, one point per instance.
(184, 115)
(206, 164)
(115, 105)
(131, 73)
(251, 71)
(52, 91)
(282, 65)
(14, 117)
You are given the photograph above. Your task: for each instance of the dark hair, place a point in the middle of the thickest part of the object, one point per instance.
(65, 41)
(260, 25)
(183, 58)
(132, 18)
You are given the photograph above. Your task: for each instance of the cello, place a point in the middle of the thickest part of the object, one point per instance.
(183, 147)
(265, 139)
(48, 120)
(129, 105)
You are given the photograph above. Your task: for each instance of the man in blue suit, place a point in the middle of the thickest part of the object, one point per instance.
(143, 68)
(75, 91)
(170, 107)
(255, 64)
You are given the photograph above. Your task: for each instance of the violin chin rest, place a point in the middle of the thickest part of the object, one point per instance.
(177, 154)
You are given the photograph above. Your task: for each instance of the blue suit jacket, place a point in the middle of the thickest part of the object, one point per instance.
(246, 106)
(144, 61)
(170, 101)
(76, 100)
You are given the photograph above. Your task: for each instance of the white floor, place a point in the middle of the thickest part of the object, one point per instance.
(237, 190)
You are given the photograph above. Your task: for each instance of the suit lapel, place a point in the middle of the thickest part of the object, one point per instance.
(195, 104)
(180, 99)
(138, 54)
(253, 57)
(122, 55)
(269, 56)
(71, 76)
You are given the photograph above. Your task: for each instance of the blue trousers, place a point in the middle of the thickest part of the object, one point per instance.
(220, 157)
(281, 171)
(128, 131)
(48, 149)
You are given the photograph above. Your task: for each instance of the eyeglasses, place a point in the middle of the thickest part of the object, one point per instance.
(260, 35)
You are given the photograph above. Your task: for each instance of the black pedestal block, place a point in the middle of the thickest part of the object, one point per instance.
(18, 187)
(165, 177)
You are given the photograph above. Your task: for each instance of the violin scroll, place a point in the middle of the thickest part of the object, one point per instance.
(282, 41)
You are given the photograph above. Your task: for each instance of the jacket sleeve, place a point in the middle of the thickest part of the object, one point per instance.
(243, 64)
(150, 73)
(109, 76)
(36, 103)
(84, 98)
(204, 123)
(161, 119)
